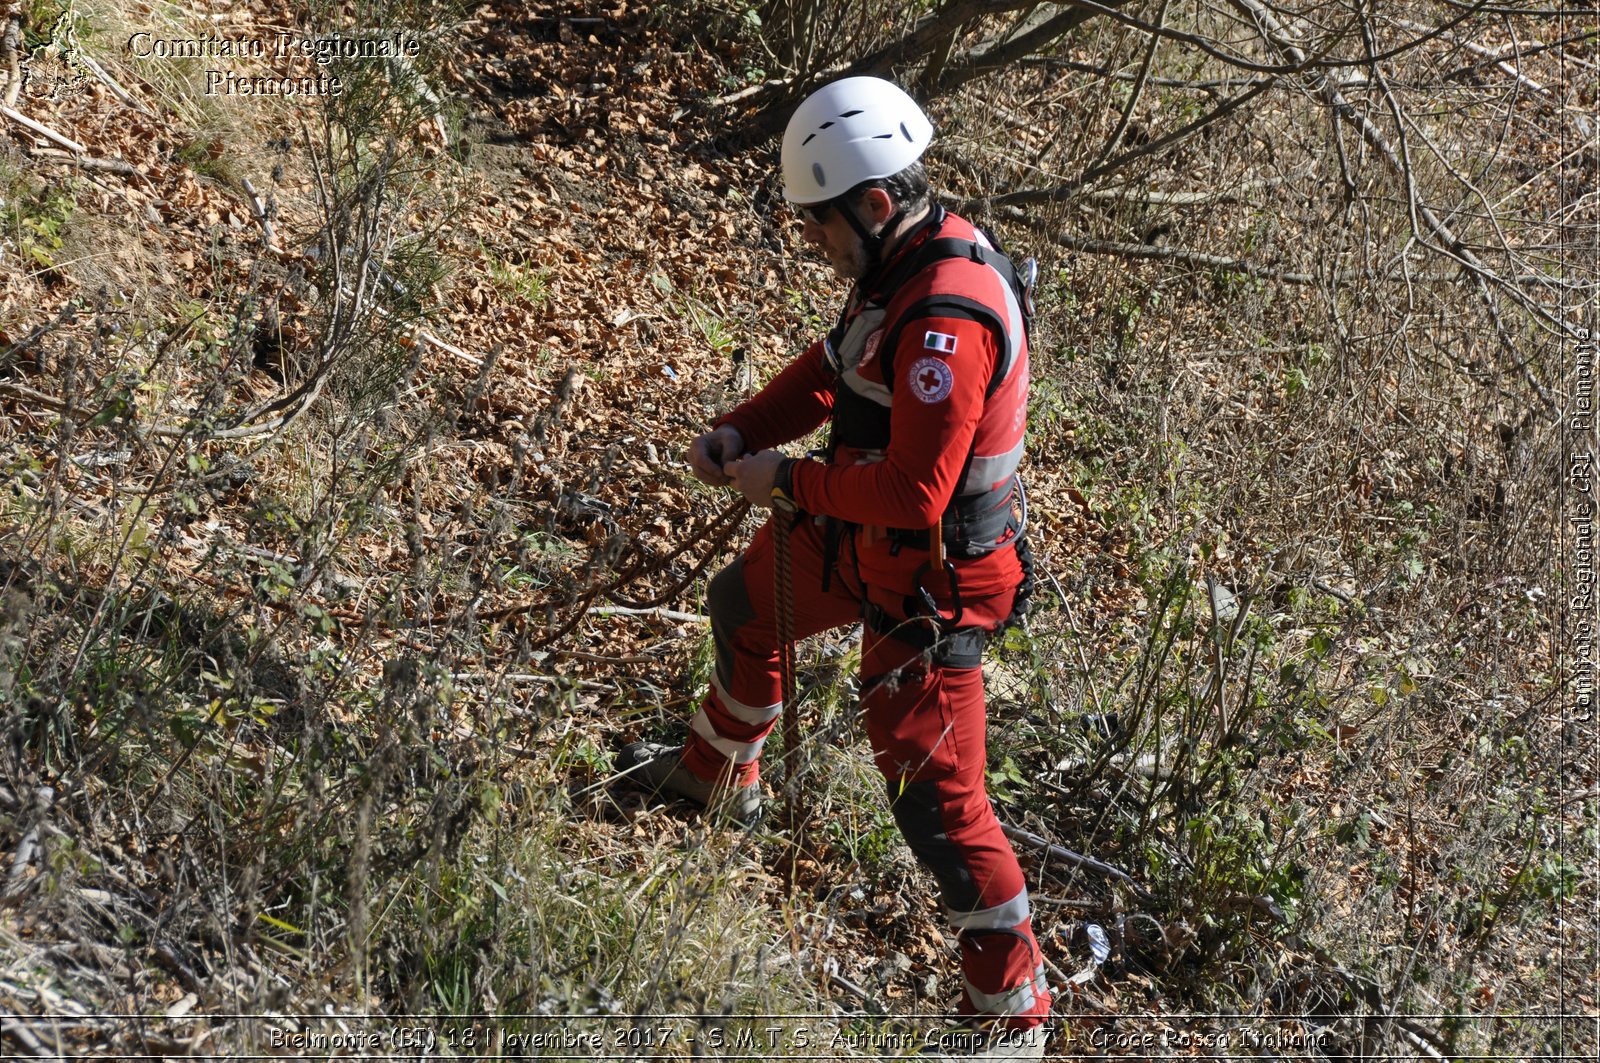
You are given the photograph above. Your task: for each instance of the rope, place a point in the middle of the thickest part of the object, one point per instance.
(714, 530)
(728, 519)
(783, 517)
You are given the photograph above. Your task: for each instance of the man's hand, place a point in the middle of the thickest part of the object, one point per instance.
(753, 476)
(713, 450)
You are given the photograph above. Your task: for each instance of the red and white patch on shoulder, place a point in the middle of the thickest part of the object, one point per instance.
(931, 380)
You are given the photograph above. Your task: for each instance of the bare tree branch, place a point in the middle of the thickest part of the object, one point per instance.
(1426, 220)
(1162, 143)
(768, 103)
(1242, 267)
(1513, 52)
(1138, 91)
(998, 53)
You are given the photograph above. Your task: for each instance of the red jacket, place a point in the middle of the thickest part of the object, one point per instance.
(903, 452)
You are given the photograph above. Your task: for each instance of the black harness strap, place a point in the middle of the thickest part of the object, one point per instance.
(955, 648)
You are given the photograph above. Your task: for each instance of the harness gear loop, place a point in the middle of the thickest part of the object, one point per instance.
(784, 515)
(925, 596)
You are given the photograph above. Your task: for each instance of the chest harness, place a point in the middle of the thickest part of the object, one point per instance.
(989, 508)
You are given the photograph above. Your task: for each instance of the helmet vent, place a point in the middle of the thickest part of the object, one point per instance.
(884, 136)
(816, 172)
(849, 114)
(824, 125)
(906, 133)
(808, 140)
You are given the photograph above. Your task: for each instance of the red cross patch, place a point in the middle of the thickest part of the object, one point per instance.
(931, 380)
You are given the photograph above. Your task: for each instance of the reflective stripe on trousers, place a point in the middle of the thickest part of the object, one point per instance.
(926, 725)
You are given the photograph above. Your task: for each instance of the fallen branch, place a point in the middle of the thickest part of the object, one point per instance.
(434, 341)
(259, 209)
(85, 162)
(26, 850)
(491, 679)
(88, 62)
(1078, 860)
(26, 1037)
(43, 130)
(665, 614)
(839, 981)
(27, 394)
(11, 52)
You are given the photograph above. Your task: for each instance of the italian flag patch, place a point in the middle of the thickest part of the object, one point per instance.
(942, 342)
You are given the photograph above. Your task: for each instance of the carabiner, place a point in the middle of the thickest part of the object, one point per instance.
(927, 599)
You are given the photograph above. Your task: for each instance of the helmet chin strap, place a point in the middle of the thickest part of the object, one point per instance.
(871, 241)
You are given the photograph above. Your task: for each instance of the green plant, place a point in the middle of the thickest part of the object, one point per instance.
(530, 285)
(1007, 783)
(35, 221)
(44, 22)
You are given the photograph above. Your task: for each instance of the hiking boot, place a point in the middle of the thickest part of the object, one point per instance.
(659, 770)
(968, 1045)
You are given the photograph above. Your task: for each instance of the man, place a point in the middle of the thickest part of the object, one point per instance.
(911, 526)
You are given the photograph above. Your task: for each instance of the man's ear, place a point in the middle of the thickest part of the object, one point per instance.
(878, 205)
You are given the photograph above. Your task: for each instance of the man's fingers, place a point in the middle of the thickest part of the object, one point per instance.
(706, 462)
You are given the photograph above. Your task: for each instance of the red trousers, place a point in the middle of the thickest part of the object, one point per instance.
(926, 723)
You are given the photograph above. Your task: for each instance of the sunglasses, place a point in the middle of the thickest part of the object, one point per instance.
(817, 213)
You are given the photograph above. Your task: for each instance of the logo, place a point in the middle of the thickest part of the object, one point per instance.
(931, 380)
(869, 349)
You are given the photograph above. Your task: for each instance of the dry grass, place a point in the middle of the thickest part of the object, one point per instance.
(1296, 538)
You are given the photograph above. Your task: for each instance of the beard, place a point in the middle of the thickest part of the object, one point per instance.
(850, 263)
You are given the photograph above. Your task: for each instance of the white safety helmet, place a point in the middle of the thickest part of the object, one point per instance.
(847, 132)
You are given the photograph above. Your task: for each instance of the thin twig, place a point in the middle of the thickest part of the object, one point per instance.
(1426, 222)
(1158, 252)
(1183, 199)
(1138, 90)
(1479, 50)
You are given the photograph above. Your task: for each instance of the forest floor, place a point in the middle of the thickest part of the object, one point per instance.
(293, 752)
